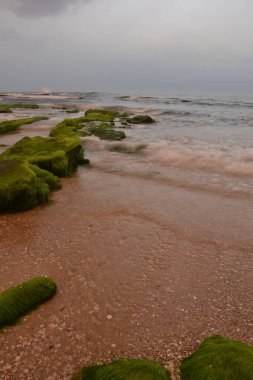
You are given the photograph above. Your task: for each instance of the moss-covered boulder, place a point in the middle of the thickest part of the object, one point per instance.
(102, 115)
(105, 132)
(68, 128)
(126, 369)
(17, 301)
(23, 186)
(5, 109)
(140, 119)
(100, 123)
(219, 358)
(11, 125)
(24, 105)
(59, 156)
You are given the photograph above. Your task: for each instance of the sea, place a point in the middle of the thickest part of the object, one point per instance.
(197, 142)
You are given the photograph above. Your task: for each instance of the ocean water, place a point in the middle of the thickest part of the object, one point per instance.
(197, 142)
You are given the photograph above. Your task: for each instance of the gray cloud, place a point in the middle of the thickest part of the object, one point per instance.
(39, 8)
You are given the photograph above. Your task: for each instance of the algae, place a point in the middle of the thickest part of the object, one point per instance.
(5, 109)
(67, 128)
(11, 125)
(140, 119)
(125, 369)
(98, 122)
(23, 186)
(59, 156)
(24, 105)
(105, 132)
(219, 358)
(17, 301)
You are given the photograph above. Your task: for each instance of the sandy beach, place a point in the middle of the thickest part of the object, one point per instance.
(144, 269)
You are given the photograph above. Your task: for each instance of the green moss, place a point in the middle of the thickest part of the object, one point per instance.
(219, 358)
(105, 132)
(24, 105)
(23, 186)
(11, 125)
(5, 109)
(18, 301)
(140, 119)
(100, 115)
(3, 145)
(126, 369)
(59, 156)
(68, 128)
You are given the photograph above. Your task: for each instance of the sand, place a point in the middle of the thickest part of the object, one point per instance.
(144, 269)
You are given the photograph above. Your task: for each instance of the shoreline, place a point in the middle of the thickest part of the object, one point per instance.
(109, 260)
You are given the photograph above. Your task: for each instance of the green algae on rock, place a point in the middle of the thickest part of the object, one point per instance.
(23, 186)
(59, 156)
(17, 301)
(11, 125)
(5, 109)
(24, 105)
(101, 115)
(106, 132)
(125, 369)
(219, 358)
(140, 119)
(98, 122)
(67, 128)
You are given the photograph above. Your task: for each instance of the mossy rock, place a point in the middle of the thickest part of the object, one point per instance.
(5, 109)
(11, 125)
(59, 156)
(219, 358)
(105, 132)
(24, 105)
(23, 186)
(102, 115)
(17, 301)
(140, 119)
(68, 128)
(125, 369)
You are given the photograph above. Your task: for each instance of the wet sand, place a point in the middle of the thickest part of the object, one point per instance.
(144, 269)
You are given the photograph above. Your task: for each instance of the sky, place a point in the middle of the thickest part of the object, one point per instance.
(126, 46)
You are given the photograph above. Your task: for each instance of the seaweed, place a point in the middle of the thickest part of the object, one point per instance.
(125, 369)
(17, 301)
(106, 132)
(24, 105)
(11, 125)
(67, 128)
(219, 358)
(59, 156)
(5, 109)
(23, 186)
(140, 119)
(98, 122)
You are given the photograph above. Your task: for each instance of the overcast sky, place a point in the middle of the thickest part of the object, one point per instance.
(183, 46)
